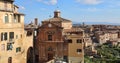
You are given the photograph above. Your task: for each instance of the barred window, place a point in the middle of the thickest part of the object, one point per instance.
(18, 49)
(9, 46)
(79, 40)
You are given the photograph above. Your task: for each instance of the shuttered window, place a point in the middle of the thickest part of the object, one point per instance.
(6, 18)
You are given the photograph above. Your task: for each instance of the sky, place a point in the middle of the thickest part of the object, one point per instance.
(99, 11)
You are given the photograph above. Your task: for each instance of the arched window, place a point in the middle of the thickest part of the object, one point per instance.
(6, 18)
(10, 60)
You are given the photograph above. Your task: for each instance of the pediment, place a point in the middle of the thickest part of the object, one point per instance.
(50, 25)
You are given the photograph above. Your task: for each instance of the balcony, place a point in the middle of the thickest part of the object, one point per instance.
(11, 41)
(54, 41)
(6, 9)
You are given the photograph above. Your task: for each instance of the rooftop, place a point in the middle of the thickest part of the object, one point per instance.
(8, 0)
(58, 19)
(73, 30)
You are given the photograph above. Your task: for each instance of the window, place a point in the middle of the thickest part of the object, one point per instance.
(10, 60)
(2, 47)
(18, 49)
(21, 35)
(65, 58)
(9, 46)
(6, 18)
(49, 37)
(79, 40)
(11, 35)
(16, 36)
(29, 33)
(3, 36)
(15, 18)
(18, 18)
(69, 40)
(79, 50)
(50, 49)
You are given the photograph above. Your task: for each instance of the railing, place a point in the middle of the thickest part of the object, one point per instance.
(53, 41)
(11, 40)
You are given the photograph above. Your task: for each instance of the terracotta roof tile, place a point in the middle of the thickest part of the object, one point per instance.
(58, 19)
(73, 30)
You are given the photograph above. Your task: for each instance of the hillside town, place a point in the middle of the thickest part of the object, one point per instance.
(55, 39)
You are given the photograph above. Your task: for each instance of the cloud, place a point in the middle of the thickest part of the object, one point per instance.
(90, 2)
(91, 9)
(48, 2)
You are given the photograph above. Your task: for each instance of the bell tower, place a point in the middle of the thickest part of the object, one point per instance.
(57, 13)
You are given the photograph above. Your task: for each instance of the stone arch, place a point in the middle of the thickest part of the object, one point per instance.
(30, 55)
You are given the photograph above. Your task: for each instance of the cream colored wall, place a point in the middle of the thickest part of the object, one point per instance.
(87, 41)
(102, 39)
(72, 49)
(107, 36)
(15, 9)
(11, 23)
(20, 57)
(27, 43)
(67, 25)
(18, 28)
(8, 6)
(1, 5)
(11, 53)
(76, 60)
(113, 36)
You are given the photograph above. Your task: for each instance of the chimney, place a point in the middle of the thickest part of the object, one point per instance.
(56, 13)
(36, 21)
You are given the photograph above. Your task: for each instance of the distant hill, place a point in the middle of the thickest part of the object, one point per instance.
(91, 23)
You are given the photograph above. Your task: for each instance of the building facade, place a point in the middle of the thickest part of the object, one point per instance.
(52, 41)
(14, 42)
(75, 40)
